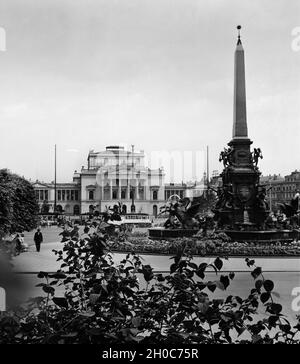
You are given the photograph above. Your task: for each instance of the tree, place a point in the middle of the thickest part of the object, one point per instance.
(18, 205)
(45, 207)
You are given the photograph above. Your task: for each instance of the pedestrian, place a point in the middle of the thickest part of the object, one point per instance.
(17, 244)
(38, 239)
(24, 245)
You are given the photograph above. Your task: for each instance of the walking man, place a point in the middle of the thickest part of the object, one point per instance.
(38, 239)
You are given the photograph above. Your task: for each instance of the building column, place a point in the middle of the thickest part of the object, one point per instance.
(128, 192)
(110, 189)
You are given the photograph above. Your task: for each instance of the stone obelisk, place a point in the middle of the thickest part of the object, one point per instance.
(240, 141)
(240, 129)
(237, 206)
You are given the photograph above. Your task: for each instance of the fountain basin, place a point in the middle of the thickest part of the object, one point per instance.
(162, 233)
(262, 235)
(235, 235)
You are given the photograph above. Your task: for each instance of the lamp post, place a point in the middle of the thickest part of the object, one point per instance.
(54, 208)
(132, 188)
(270, 196)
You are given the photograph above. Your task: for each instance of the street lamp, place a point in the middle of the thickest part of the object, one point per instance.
(55, 187)
(132, 188)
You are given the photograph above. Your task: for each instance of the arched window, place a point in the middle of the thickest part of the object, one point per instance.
(155, 210)
(91, 195)
(76, 210)
(123, 194)
(59, 208)
(154, 195)
(114, 195)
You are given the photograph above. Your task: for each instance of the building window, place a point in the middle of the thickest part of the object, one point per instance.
(63, 195)
(91, 195)
(114, 195)
(132, 208)
(141, 193)
(76, 209)
(76, 196)
(68, 195)
(155, 195)
(72, 195)
(59, 209)
(59, 195)
(155, 210)
(123, 194)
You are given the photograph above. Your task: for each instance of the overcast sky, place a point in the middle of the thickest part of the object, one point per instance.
(155, 73)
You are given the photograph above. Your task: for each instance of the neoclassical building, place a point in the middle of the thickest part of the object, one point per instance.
(120, 175)
(67, 197)
(111, 176)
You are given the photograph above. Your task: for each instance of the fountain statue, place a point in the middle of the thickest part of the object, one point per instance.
(242, 210)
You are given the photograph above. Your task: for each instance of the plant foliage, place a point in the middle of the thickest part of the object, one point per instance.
(94, 299)
(18, 206)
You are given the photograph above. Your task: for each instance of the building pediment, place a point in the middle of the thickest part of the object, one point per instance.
(40, 185)
(91, 187)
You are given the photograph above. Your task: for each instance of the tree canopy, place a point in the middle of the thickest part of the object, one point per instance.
(18, 205)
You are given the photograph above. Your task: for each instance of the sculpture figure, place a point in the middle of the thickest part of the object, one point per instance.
(261, 198)
(182, 213)
(225, 156)
(292, 208)
(256, 155)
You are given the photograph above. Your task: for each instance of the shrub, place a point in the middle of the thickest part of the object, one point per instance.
(209, 246)
(18, 206)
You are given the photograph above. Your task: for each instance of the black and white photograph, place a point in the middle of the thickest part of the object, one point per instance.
(149, 175)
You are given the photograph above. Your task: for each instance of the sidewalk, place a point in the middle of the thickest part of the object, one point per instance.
(32, 261)
(45, 260)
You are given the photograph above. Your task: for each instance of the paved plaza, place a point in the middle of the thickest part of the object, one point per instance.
(285, 272)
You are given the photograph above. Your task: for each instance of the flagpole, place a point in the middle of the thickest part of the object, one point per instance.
(132, 196)
(54, 209)
(207, 167)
